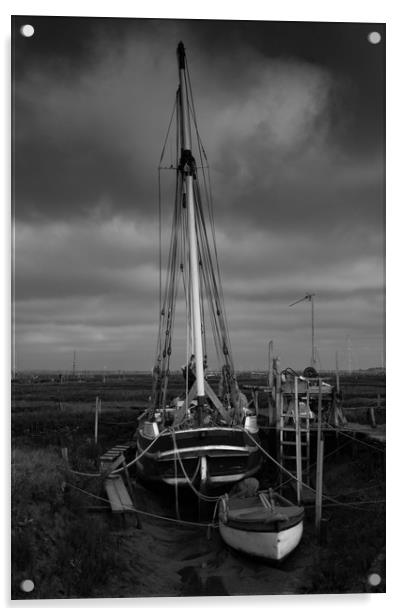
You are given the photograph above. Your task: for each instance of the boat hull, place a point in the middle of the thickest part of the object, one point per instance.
(270, 545)
(212, 458)
(265, 525)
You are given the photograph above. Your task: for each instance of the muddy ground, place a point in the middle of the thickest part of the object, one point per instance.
(59, 531)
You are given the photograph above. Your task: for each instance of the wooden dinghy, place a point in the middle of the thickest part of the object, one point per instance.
(266, 525)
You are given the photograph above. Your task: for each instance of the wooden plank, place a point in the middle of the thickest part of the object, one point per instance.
(111, 464)
(117, 494)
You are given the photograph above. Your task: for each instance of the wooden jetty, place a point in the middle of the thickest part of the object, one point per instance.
(301, 408)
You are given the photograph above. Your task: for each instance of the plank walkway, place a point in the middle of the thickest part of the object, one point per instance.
(119, 498)
(117, 494)
(113, 458)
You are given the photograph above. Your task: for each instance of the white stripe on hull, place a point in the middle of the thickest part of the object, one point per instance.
(195, 431)
(212, 480)
(270, 545)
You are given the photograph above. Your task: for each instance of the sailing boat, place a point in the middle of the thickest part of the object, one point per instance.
(202, 437)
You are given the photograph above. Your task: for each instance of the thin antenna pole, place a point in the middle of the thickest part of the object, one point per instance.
(310, 298)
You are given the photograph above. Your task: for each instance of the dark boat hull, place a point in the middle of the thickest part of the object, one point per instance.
(212, 458)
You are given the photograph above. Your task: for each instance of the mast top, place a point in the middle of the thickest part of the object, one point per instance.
(181, 55)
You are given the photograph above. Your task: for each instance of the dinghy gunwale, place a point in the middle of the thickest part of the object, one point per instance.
(283, 516)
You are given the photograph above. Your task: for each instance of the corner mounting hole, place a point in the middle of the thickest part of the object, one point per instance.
(374, 579)
(27, 585)
(374, 38)
(27, 30)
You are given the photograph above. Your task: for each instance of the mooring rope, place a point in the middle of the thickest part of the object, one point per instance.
(210, 499)
(117, 470)
(132, 509)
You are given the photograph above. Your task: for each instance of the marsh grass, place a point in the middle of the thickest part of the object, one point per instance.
(55, 542)
(355, 535)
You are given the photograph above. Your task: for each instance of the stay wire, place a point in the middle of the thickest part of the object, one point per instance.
(333, 500)
(353, 438)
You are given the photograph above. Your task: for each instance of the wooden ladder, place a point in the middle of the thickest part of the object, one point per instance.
(294, 439)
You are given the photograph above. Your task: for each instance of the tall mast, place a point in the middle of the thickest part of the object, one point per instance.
(187, 166)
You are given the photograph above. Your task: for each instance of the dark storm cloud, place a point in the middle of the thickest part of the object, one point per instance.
(291, 116)
(88, 132)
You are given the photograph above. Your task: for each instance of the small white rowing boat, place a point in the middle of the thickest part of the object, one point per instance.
(266, 525)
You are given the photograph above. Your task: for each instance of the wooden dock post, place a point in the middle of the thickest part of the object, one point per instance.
(320, 463)
(98, 404)
(64, 454)
(372, 417)
(255, 400)
(270, 364)
(278, 392)
(298, 443)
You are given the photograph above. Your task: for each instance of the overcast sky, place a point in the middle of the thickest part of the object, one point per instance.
(292, 119)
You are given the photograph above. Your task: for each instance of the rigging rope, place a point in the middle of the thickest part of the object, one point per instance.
(353, 438)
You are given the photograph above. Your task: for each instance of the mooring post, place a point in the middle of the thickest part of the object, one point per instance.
(64, 454)
(298, 442)
(278, 392)
(97, 411)
(270, 364)
(320, 463)
(255, 399)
